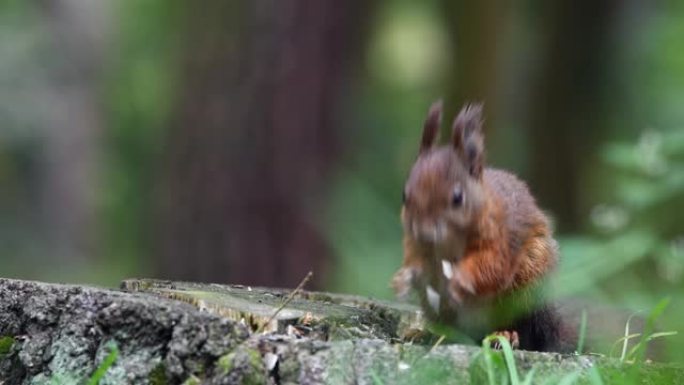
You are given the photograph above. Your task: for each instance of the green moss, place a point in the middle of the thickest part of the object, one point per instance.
(317, 296)
(255, 358)
(225, 363)
(158, 375)
(245, 364)
(289, 369)
(192, 380)
(199, 369)
(6, 344)
(433, 371)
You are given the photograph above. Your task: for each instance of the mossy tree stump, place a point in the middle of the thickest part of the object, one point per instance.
(175, 332)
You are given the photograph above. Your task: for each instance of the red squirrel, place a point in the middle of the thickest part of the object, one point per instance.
(476, 246)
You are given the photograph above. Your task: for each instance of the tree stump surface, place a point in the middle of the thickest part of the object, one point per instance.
(185, 333)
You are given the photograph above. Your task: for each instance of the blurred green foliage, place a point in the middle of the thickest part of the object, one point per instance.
(636, 256)
(139, 90)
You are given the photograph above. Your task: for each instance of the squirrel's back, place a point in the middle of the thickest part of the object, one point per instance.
(530, 237)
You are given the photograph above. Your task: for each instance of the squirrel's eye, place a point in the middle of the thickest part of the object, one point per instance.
(457, 198)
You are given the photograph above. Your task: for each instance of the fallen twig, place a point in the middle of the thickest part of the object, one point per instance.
(287, 301)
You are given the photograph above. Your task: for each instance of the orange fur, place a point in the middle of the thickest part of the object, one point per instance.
(537, 257)
(486, 263)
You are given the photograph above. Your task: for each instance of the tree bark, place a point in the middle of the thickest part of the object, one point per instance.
(254, 138)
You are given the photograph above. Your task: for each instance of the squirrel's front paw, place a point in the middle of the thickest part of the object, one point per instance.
(511, 336)
(403, 281)
(461, 284)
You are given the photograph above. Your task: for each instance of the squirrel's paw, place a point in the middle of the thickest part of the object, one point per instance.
(460, 284)
(403, 281)
(511, 336)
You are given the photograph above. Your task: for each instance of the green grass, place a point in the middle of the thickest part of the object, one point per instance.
(105, 365)
(582, 332)
(500, 366)
(513, 377)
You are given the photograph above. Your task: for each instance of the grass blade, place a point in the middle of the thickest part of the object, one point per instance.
(640, 349)
(649, 338)
(626, 339)
(622, 339)
(529, 377)
(661, 334)
(489, 364)
(376, 379)
(582, 332)
(510, 360)
(105, 365)
(595, 376)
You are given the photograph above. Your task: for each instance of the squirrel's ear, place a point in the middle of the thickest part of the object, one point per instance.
(468, 139)
(431, 126)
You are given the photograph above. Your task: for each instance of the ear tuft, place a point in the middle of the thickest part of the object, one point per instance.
(468, 139)
(431, 126)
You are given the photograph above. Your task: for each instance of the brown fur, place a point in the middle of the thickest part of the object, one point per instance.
(496, 240)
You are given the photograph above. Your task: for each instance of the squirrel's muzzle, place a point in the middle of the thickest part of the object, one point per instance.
(429, 231)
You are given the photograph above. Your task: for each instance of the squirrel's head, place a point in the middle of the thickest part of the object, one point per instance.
(443, 195)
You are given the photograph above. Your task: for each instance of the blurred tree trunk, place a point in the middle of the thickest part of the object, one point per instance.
(568, 108)
(478, 32)
(254, 137)
(566, 91)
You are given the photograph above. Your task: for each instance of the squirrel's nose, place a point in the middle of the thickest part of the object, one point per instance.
(429, 231)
